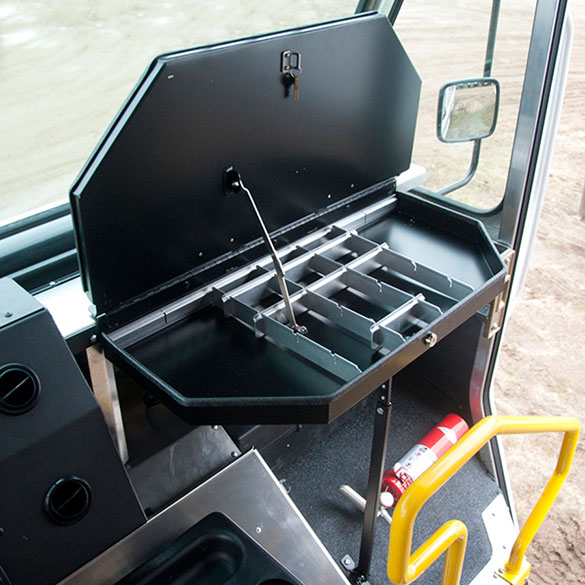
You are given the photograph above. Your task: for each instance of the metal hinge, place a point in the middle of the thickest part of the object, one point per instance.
(498, 306)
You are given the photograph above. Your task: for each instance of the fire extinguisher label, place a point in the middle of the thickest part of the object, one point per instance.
(449, 433)
(417, 461)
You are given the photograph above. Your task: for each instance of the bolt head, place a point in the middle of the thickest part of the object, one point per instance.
(380, 410)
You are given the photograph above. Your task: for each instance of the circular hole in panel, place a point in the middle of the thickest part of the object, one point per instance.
(68, 500)
(19, 389)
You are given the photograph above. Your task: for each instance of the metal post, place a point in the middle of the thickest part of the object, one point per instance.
(103, 382)
(377, 464)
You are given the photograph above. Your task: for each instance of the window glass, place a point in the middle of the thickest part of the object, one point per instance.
(447, 41)
(68, 65)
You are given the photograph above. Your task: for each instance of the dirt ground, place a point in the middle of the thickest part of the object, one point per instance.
(542, 364)
(541, 368)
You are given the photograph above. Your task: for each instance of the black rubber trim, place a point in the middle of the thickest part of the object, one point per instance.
(40, 250)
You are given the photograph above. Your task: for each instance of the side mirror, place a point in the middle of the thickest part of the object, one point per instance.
(468, 109)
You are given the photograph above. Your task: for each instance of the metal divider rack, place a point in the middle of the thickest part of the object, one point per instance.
(345, 282)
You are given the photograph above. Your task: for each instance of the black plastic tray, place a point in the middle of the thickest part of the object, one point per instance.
(213, 552)
(225, 354)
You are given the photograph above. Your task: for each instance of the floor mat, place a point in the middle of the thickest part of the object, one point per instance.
(344, 457)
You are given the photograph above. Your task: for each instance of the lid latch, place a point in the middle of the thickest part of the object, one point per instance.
(290, 66)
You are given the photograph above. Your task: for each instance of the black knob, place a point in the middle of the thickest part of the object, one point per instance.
(232, 181)
(68, 500)
(19, 389)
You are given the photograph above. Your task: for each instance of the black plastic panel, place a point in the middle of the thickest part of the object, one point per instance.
(149, 206)
(65, 493)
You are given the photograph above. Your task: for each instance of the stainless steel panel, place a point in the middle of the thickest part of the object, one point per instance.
(248, 493)
(176, 469)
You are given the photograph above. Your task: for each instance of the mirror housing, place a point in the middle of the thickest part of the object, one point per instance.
(468, 109)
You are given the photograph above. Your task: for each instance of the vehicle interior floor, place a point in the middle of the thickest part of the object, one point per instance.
(341, 455)
(343, 458)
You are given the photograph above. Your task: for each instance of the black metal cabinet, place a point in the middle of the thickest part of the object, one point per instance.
(187, 299)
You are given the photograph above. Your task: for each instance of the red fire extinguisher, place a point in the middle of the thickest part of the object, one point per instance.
(412, 465)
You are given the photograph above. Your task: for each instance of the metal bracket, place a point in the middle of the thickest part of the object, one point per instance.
(498, 306)
(350, 565)
(519, 578)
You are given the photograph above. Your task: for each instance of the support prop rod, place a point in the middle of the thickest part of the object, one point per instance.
(233, 184)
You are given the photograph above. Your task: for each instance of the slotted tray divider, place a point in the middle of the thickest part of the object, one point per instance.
(315, 276)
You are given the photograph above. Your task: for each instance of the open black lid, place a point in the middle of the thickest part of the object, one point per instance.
(149, 207)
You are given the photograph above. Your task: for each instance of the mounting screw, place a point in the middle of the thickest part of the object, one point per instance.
(93, 339)
(214, 427)
(430, 339)
(380, 410)
(258, 530)
(234, 454)
(8, 314)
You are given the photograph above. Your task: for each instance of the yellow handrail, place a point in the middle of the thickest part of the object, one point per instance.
(404, 567)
